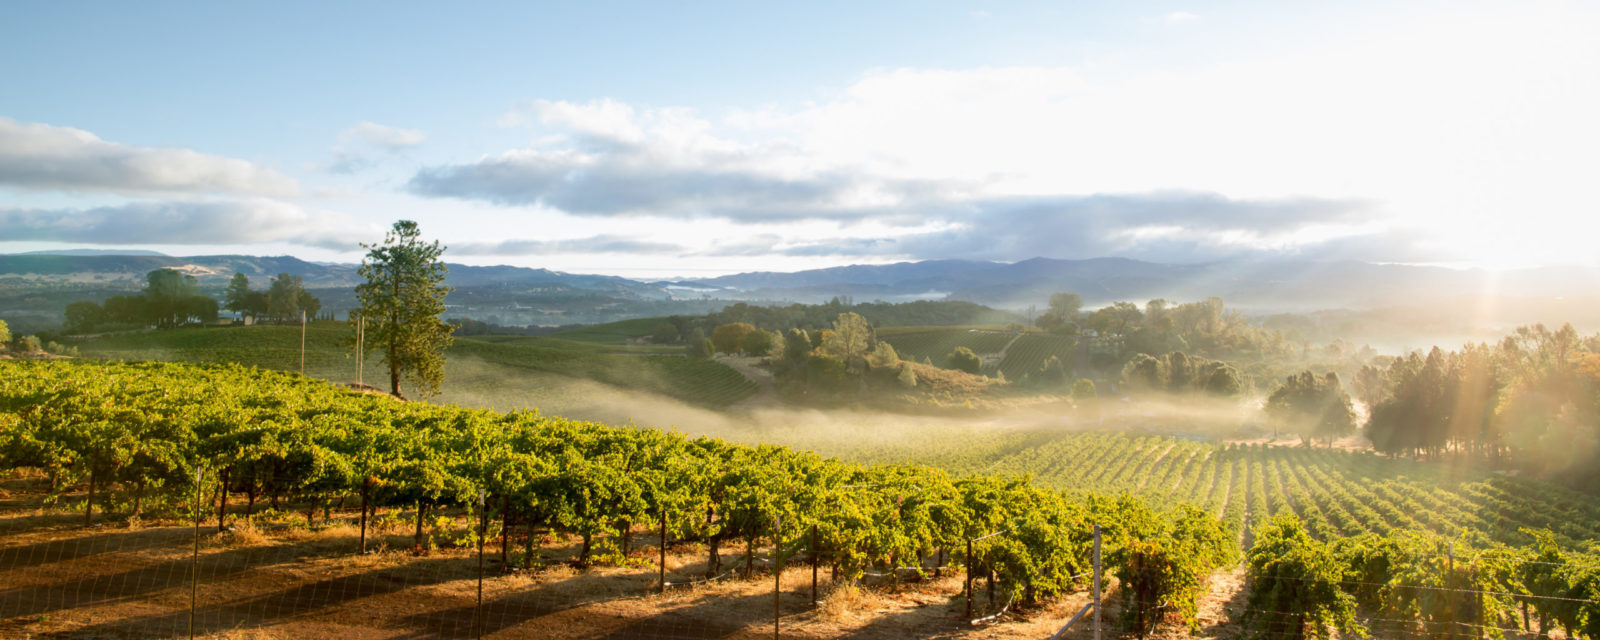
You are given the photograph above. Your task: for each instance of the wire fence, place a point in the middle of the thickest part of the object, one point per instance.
(231, 565)
(269, 566)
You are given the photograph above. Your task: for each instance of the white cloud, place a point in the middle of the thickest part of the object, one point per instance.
(358, 142)
(1472, 136)
(1180, 16)
(45, 157)
(249, 221)
(601, 244)
(381, 137)
(664, 162)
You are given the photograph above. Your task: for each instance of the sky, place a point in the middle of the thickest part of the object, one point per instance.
(662, 139)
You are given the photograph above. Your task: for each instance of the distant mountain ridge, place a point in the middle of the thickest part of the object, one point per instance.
(1266, 285)
(212, 269)
(92, 252)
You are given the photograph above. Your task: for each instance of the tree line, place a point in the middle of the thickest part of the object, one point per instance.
(1529, 402)
(171, 298)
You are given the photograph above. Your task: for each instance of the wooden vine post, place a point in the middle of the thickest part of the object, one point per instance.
(777, 570)
(966, 586)
(1097, 582)
(662, 565)
(483, 526)
(814, 559)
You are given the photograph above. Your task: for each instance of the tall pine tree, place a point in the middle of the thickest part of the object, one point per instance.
(401, 301)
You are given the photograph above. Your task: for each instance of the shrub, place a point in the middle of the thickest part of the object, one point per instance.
(963, 359)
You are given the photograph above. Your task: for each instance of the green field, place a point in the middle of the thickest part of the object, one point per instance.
(473, 364)
(615, 333)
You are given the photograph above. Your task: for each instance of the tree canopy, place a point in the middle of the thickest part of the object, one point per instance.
(1313, 406)
(402, 301)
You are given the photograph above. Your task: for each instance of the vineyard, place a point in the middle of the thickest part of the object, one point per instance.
(1337, 493)
(1013, 354)
(144, 439)
(225, 446)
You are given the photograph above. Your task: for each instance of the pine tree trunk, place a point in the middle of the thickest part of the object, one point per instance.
(394, 347)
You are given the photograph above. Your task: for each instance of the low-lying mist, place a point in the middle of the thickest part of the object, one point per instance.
(856, 434)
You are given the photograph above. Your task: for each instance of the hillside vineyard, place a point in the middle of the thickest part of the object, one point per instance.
(153, 435)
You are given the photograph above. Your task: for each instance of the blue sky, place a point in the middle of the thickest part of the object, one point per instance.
(666, 138)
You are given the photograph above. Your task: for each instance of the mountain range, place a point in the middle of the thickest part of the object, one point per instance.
(1277, 285)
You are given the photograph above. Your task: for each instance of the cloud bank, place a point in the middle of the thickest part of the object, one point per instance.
(590, 245)
(608, 160)
(249, 221)
(45, 157)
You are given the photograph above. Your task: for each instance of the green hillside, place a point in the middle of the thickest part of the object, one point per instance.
(643, 368)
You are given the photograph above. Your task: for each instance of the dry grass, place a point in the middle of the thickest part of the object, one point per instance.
(267, 580)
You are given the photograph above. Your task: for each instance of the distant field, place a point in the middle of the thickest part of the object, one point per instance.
(635, 367)
(1023, 353)
(1338, 493)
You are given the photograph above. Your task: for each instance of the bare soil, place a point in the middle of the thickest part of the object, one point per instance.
(278, 578)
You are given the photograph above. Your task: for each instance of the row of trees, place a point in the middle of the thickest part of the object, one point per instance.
(172, 298)
(817, 317)
(169, 299)
(1532, 400)
(283, 301)
(1204, 328)
(1181, 373)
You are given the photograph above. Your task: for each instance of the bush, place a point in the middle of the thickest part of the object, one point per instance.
(1293, 573)
(757, 343)
(1084, 389)
(825, 373)
(665, 333)
(698, 346)
(883, 355)
(907, 377)
(26, 344)
(963, 359)
(797, 345)
(729, 338)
